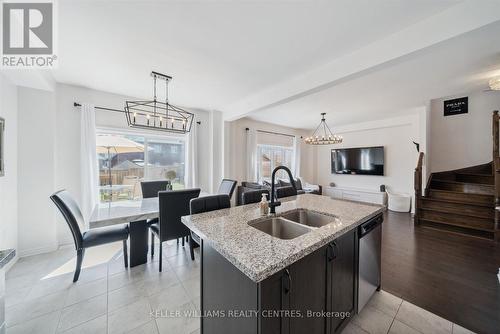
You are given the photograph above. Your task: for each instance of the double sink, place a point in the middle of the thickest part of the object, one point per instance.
(292, 224)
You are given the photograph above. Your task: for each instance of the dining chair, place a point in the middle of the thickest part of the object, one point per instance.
(93, 237)
(173, 205)
(253, 196)
(150, 189)
(227, 187)
(206, 204)
(285, 192)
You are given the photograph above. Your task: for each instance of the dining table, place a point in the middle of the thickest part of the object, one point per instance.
(136, 213)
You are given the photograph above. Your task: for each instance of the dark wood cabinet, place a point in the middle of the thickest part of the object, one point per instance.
(323, 281)
(341, 280)
(296, 291)
(308, 293)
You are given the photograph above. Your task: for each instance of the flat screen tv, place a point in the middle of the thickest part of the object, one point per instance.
(358, 161)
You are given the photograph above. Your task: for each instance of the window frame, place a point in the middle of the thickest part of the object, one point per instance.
(171, 137)
(260, 178)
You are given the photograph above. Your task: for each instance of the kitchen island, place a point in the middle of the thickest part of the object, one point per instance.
(294, 273)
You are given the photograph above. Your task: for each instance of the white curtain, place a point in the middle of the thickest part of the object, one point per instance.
(191, 175)
(296, 159)
(251, 156)
(88, 161)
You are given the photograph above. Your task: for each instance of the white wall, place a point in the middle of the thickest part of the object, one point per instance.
(462, 140)
(8, 183)
(49, 157)
(36, 165)
(396, 135)
(235, 148)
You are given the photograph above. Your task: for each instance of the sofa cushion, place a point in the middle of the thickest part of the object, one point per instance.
(298, 184)
(285, 183)
(267, 184)
(253, 185)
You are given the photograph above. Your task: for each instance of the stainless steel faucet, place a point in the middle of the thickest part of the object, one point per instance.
(274, 202)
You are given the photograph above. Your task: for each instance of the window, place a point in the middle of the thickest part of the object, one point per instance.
(269, 157)
(126, 159)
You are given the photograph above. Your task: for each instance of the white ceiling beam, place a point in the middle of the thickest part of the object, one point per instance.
(457, 20)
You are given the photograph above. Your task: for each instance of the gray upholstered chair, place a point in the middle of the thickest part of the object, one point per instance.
(206, 204)
(173, 205)
(93, 237)
(227, 187)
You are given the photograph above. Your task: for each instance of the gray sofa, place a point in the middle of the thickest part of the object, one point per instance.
(252, 186)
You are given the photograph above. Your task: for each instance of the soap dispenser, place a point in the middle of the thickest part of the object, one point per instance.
(264, 205)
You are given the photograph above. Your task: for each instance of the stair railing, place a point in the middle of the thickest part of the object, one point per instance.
(496, 171)
(417, 179)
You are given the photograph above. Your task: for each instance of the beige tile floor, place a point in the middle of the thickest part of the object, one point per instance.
(41, 298)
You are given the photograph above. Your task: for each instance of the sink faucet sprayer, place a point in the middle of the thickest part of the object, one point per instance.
(274, 202)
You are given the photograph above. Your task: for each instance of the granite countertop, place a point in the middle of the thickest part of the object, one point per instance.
(259, 255)
(5, 256)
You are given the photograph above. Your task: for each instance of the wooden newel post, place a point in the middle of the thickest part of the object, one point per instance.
(496, 171)
(417, 179)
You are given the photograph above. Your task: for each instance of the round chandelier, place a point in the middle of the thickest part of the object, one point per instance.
(495, 83)
(323, 135)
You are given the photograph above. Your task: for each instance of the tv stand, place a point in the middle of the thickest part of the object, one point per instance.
(356, 194)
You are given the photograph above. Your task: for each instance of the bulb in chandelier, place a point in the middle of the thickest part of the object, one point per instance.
(323, 139)
(147, 116)
(135, 115)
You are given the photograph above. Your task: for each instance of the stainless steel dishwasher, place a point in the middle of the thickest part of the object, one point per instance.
(370, 248)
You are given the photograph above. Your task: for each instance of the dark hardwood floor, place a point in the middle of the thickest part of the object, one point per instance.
(447, 274)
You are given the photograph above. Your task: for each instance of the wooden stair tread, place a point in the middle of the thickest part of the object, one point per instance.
(462, 225)
(469, 210)
(465, 183)
(457, 201)
(460, 196)
(474, 174)
(457, 230)
(462, 187)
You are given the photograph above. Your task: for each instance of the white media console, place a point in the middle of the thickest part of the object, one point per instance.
(356, 194)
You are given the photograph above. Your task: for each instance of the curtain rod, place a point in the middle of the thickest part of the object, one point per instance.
(76, 104)
(275, 133)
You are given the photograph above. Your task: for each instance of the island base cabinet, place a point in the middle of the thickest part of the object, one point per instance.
(341, 276)
(228, 297)
(292, 301)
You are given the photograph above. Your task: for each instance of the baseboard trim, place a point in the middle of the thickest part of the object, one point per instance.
(37, 250)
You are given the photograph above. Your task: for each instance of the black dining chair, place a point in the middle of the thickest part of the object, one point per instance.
(150, 189)
(285, 192)
(253, 196)
(206, 204)
(93, 237)
(173, 205)
(227, 187)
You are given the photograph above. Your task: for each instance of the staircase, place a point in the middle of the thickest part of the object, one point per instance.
(462, 201)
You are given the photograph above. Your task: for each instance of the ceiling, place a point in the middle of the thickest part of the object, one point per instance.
(217, 51)
(460, 65)
(265, 59)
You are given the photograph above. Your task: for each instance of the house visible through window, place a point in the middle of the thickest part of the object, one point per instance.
(270, 157)
(126, 159)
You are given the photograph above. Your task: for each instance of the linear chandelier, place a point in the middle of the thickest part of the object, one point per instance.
(323, 135)
(158, 115)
